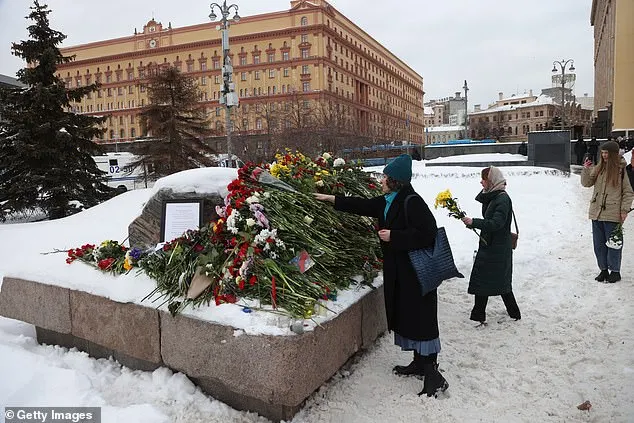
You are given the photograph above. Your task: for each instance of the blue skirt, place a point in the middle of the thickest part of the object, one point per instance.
(421, 347)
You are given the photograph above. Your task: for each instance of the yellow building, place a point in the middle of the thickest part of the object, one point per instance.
(310, 54)
(613, 22)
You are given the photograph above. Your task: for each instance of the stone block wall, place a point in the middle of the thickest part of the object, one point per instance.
(270, 375)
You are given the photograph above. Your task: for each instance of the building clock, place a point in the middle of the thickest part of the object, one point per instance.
(152, 43)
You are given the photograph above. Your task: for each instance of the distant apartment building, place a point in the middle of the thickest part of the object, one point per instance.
(512, 118)
(613, 22)
(310, 54)
(447, 107)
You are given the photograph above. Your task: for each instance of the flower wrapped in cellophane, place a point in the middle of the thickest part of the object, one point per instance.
(109, 256)
(615, 240)
(445, 200)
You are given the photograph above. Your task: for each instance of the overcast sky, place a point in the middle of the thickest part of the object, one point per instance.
(496, 45)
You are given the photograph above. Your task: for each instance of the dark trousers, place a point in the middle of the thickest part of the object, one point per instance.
(479, 309)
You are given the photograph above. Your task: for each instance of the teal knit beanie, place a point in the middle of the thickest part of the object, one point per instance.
(400, 169)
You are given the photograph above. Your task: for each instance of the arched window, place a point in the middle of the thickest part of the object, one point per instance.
(122, 133)
(304, 21)
(112, 134)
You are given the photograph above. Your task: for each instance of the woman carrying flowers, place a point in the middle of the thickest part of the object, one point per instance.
(609, 205)
(412, 316)
(492, 272)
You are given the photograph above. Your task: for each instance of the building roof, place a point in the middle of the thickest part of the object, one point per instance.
(539, 101)
(7, 80)
(444, 128)
(514, 97)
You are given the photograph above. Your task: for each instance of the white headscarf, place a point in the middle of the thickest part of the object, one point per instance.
(496, 179)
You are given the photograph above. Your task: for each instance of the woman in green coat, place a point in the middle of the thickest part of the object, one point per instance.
(492, 272)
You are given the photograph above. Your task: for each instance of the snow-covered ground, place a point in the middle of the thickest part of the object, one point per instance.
(574, 342)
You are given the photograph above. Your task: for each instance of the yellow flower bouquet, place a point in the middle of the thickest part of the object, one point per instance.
(445, 200)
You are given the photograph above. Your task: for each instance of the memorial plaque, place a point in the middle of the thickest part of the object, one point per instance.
(180, 216)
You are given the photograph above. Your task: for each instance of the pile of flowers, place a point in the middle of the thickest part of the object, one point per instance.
(109, 256)
(272, 241)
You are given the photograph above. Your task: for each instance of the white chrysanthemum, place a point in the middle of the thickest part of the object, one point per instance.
(319, 183)
(326, 156)
(250, 222)
(253, 199)
(273, 255)
(339, 162)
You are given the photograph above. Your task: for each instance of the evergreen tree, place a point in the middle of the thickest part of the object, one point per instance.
(176, 124)
(45, 149)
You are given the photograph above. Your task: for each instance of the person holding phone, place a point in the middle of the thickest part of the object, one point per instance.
(610, 203)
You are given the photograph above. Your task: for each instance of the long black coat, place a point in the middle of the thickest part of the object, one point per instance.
(630, 174)
(408, 312)
(492, 272)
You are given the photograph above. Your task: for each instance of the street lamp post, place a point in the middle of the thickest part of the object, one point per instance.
(229, 97)
(562, 65)
(466, 117)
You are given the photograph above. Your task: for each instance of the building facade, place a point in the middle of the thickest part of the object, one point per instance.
(613, 22)
(310, 55)
(443, 133)
(512, 118)
(448, 109)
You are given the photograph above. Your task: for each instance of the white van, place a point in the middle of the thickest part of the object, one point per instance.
(119, 172)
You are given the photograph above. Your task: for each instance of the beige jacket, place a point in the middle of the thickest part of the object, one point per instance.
(608, 202)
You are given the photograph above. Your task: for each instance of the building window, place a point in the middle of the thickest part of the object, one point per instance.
(130, 89)
(257, 74)
(304, 38)
(122, 133)
(306, 86)
(190, 67)
(258, 123)
(286, 72)
(271, 57)
(304, 21)
(109, 92)
(203, 80)
(305, 53)
(274, 89)
(120, 91)
(243, 76)
(305, 70)
(203, 65)
(256, 59)
(130, 76)
(285, 55)
(271, 73)
(217, 79)
(283, 89)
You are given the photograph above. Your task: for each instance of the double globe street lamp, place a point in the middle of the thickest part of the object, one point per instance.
(563, 64)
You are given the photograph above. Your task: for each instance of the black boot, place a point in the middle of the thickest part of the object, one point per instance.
(414, 368)
(434, 382)
(602, 276)
(613, 277)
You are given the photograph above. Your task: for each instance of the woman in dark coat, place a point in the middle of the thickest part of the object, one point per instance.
(492, 272)
(412, 316)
